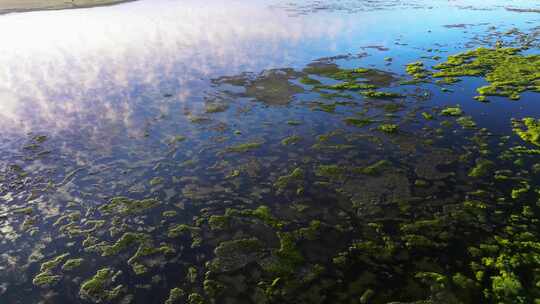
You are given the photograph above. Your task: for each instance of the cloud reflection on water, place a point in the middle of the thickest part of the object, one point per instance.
(85, 68)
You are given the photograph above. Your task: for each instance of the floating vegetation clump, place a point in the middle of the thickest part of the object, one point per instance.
(389, 128)
(417, 70)
(95, 289)
(452, 111)
(508, 72)
(528, 129)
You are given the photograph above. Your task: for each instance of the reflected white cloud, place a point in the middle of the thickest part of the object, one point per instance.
(67, 69)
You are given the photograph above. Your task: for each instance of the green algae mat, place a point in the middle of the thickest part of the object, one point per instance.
(406, 175)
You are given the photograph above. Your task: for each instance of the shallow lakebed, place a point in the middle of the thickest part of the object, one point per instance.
(271, 152)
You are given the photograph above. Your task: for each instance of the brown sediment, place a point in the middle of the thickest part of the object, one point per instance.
(19, 6)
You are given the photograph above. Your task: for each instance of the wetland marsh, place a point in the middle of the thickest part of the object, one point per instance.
(271, 152)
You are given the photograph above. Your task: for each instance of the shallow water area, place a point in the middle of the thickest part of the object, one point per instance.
(271, 152)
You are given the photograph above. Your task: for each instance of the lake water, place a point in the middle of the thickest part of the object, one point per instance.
(165, 151)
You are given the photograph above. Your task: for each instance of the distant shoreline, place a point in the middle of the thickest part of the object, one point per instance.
(21, 6)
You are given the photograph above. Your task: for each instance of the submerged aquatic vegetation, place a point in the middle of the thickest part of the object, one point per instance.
(273, 87)
(520, 191)
(216, 107)
(309, 81)
(482, 168)
(218, 222)
(124, 205)
(369, 77)
(241, 148)
(288, 254)
(389, 128)
(358, 122)
(294, 122)
(328, 108)
(330, 171)
(332, 70)
(349, 86)
(293, 178)
(291, 140)
(156, 181)
(392, 107)
(373, 169)
(235, 254)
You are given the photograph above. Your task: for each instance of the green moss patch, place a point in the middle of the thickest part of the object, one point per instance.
(95, 289)
(124, 205)
(242, 148)
(508, 72)
(528, 129)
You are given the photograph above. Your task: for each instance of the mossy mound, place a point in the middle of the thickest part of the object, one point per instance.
(528, 129)
(124, 205)
(508, 72)
(95, 289)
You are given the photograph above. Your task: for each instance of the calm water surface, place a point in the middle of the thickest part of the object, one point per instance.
(200, 108)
